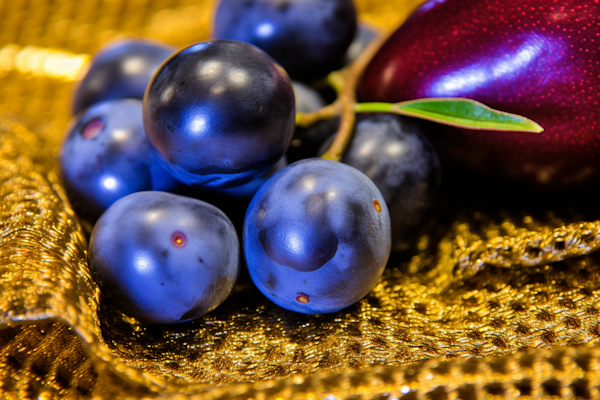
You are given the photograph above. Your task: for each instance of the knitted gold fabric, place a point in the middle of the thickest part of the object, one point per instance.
(492, 304)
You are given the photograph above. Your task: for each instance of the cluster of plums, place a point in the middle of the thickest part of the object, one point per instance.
(219, 117)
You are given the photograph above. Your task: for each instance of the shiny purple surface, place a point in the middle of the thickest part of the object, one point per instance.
(536, 58)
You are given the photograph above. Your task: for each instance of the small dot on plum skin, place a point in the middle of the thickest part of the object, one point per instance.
(93, 128)
(178, 239)
(302, 298)
(377, 205)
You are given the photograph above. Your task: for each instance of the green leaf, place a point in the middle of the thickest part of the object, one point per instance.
(463, 113)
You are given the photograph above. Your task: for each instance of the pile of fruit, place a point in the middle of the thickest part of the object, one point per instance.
(217, 120)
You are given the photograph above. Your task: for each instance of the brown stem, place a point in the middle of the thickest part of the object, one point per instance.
(304, 120)
(347, 99)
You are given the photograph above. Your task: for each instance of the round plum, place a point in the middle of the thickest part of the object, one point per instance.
(106, 155)
(317, 236)
(309, 38)
(393, 152)
(164, 258)
(120, 70)
(219, 113)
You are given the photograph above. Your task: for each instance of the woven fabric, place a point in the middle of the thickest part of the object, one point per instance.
(491, 303)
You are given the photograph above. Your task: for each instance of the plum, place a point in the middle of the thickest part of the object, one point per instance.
(121, 70)
(393, 152)
(309, 38)
(536, 58)
(106, 156)
(164, 258)
(219, 113)
(317, 236)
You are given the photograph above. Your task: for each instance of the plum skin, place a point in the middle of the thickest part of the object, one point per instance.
(535, 58)
(317, 236)
(219, 113)
(395, 154)
(249, 189)
(309, 38)
(120, 70)
(99, 170)
(164, 258)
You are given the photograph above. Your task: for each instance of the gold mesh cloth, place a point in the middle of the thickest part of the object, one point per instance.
(492, 304)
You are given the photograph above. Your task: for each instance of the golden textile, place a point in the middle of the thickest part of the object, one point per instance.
(493, 304)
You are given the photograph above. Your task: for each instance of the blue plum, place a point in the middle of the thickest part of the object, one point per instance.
(307, 100)
(394, 152)
(317, 236)
(164, 258)
(106, 156)
(309, 38)
(219, 113)
(120, 70)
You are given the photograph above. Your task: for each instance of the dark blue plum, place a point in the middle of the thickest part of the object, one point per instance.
(106, 156)
(219, 113)
(121, 70)
(164, 258)
(309, 38)
(317, 236)
(394, 152)
(307, 99)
